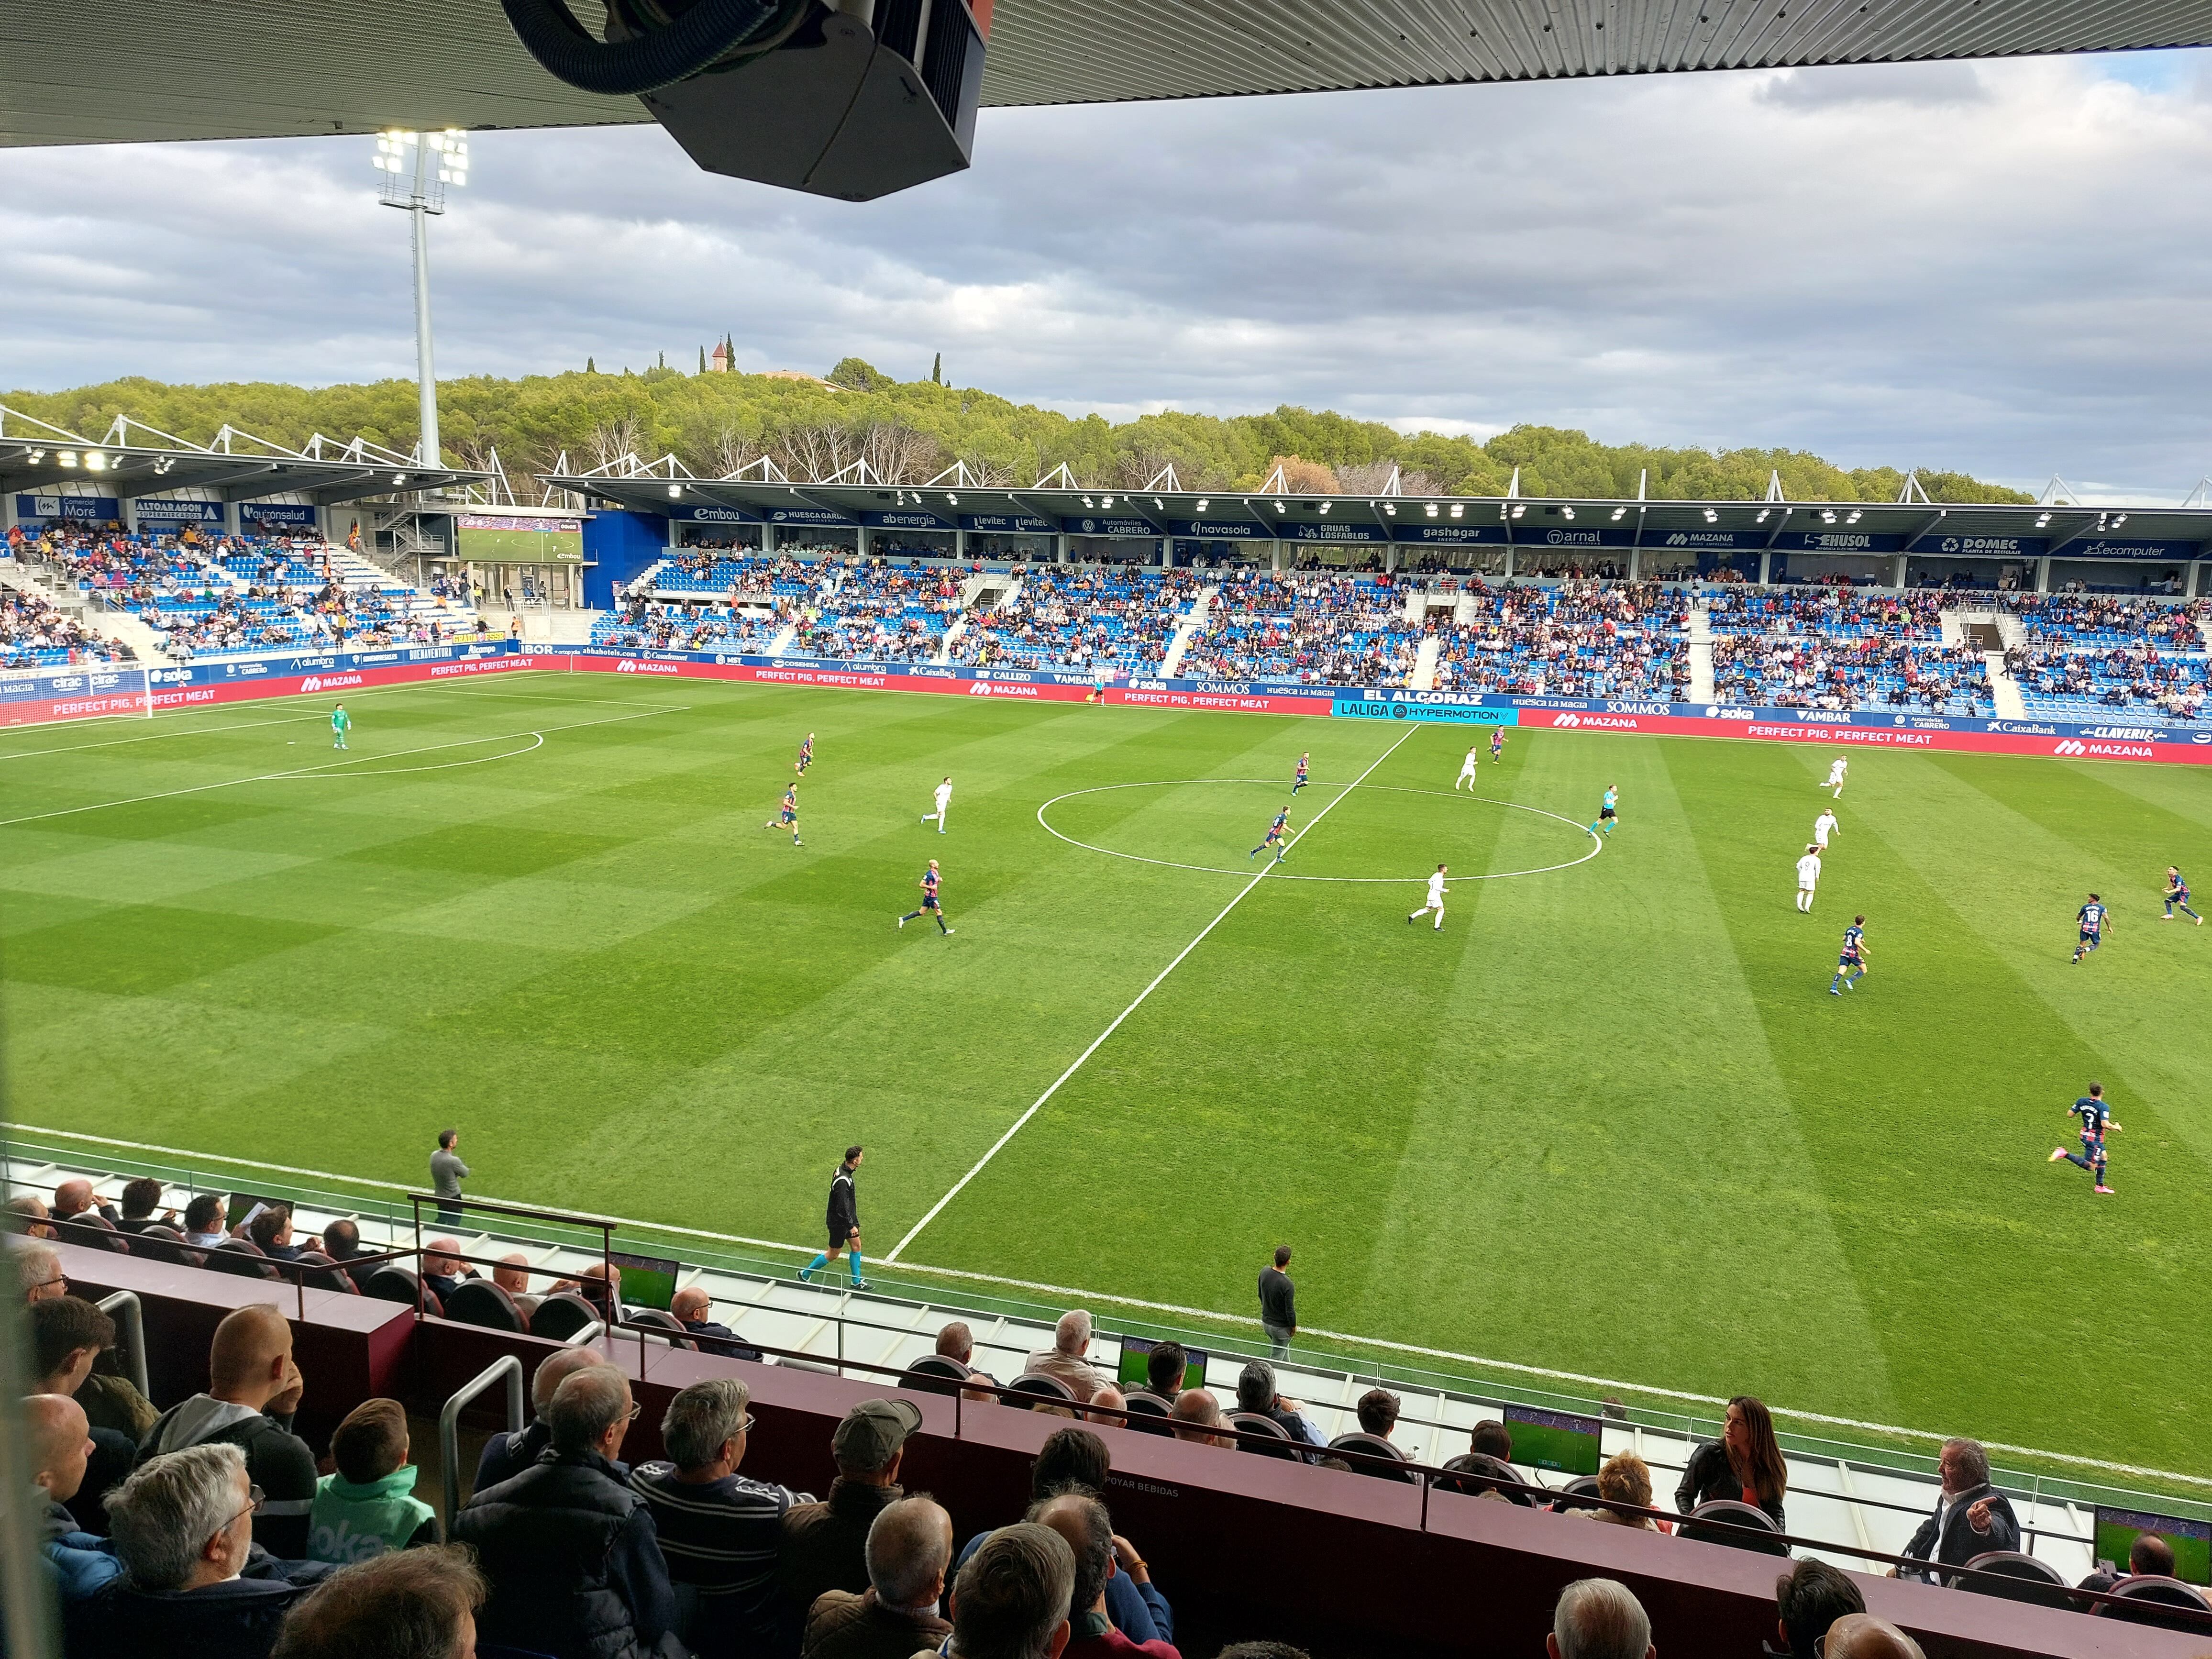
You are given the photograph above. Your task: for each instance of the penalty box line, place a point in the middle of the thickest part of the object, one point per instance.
(1038, 1105)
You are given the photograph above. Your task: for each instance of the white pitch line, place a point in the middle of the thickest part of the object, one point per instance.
(1074, 1294)
(323, 766)
(1037, 1104)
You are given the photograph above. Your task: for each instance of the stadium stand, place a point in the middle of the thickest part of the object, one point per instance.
(1223, 1533)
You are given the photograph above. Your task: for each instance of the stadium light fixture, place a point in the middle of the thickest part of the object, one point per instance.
(1432, 509)
(1854, 519)
(1160, 504)
(2117, 522)
(399, 477)
(94, 460)
(2042, 521)
(1279, 507)
(1518, 511)
(1618, 514)
(1828, 515)
(1568, 511)
(67, 457)
(38, 455)
(418, 169)
(1203, 503)
(1762, 512)
(1106, 501)
(674, 490)
(1325, 506)
(1458, 509)
(1712, 517)
(1390, 509)
(1086, 501)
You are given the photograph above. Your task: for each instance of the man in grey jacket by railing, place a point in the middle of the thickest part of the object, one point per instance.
(447, 1171)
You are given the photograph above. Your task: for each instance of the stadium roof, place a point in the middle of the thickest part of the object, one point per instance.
(94, 71)
(38, 457)
(1057, 504)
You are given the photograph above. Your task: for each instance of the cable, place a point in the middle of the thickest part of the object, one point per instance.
(565, 49)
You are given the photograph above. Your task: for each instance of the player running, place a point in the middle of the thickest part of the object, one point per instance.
(1809, 878)
(1608, 810)
(1498, 744)
(930, 904)
(1436, 902)
(1852, 966)
(2096, 1118)
(2177, 892)
(944, 799)
(1302, 780)
(805, 755)
(1466, 768)
(1276, 832)
(2096, 921)
(1836, 770)
(1823, 827)
(341, 723)
(787, 816)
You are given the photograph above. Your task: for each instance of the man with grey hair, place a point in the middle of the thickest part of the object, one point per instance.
(1599, 1618)
(571, 1553)
(717, 1528)
(1064, 1360)
(910, 1550)
(506, 1456)
(1863, 1636)
(1255, 1391)
(193, 1584)
(1972, 1517)
(39, 1269)
(1011, 1597)
(1081, 1520)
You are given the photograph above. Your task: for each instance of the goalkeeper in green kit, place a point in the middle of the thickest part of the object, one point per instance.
(341, 723)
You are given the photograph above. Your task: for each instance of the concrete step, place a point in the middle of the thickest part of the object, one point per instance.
(1425, 665)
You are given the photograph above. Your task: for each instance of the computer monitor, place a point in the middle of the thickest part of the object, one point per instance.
(1137, 1352)
(2117, 1530)
(1553, 1440)
(243, 1206)
(648, 1281)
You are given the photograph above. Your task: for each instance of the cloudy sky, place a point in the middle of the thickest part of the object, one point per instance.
(2002, 267)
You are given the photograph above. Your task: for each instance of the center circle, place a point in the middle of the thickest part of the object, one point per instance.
(1208, 817)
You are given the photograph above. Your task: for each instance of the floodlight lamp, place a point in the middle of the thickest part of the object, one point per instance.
(2117, 522)
(1203, 503)
(675, 490)
(1325, 506)
(1391, 510)
(1762, 512)
(67, 457)
(1432, 509)
(1712, 517)
(2042, 521)
(399, 477)
(1854, 519)
(1458, 508)
(1105, 501)
(1618, 514)
(1086, 501)
(1518, 511)
(94, 460)
(38, 455)
(951, 499)
(1279, 507)
(1568, 511)
(1827, 516)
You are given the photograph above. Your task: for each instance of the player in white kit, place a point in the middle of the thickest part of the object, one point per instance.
(1436, 900)
(1466, 768)
(1809, 878)
(1823, 827)
(1836, 770)
(944, 801)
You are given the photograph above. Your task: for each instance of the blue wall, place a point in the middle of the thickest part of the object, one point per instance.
(618, 546)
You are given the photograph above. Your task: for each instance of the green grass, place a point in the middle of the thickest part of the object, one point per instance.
(1608, 1121)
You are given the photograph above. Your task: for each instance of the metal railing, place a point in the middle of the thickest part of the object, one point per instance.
(123, 1306)
(506, 1368)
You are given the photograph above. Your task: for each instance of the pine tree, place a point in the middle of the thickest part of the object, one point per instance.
(664, 361)
(702, 359)
(591, 367)
(937, 370)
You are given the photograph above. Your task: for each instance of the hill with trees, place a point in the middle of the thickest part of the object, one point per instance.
(910, 430)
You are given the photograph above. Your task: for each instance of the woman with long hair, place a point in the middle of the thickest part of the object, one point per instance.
(1744, 1463)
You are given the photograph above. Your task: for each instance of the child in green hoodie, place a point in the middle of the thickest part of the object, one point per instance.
(369, 1505)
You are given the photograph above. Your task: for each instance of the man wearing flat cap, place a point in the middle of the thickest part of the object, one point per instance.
(824, 1547)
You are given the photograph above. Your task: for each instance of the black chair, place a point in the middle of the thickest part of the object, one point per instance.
(560, 1316)
(480, 1302)
(934, 1374)
(167, 1246)
(1148, 1412)
(93, 1232)
(241, 1256)
(1050, 1390)
(667, 1325)
(1375, 1446)
(1574, 1495)
(393, 1282)
(1472, 1473)
(327, 1276)
(1274, 1441)
(1738, 1525)
(2023, 1578)
(2164, 1603)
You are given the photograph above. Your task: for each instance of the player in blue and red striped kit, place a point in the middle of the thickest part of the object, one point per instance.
(2177, 892)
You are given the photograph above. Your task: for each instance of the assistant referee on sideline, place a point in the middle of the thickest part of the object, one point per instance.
(844, 1221)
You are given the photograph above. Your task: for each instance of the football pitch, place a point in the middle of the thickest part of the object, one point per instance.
(1608, 1120)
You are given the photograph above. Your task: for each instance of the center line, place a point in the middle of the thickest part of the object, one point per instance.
(1035, 1105)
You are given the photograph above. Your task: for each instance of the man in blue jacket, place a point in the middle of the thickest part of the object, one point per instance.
(61, 1445)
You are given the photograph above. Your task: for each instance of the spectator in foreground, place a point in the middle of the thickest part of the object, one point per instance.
(1492, 1439)
(447, 1173)
(420, 1604)
(1278, 1306)
(1971, 1518)
(1625, 1479)
(141, 1199)
(1745, 1463)
(506, 1456)
(1809, 1599)
(39, 1270)
(204, 1221)
(341, 1243)
(1082, 1520)
(1599, 1618)
(571, 1553)
(67, 1337)
(60, 1449)
(695, 1308)
(1064, 1361)
(1863, 1636)
(369, 1507)
(2149, 1556)
(1108, 1400)
(718, 1529)
(1164, 1370)
(194, 1585)
(253, 1388)
(1195, 1412)
(823, 1546)
(909, 1552)
(1011, 1598)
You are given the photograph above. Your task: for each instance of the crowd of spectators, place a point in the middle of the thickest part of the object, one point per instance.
(1317, 627)
(1860, 670)
(1079, 617)
(35, 633)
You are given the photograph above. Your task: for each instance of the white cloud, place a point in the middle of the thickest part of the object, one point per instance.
(2002, 266)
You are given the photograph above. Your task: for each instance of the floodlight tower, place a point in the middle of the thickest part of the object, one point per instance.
(417, 183)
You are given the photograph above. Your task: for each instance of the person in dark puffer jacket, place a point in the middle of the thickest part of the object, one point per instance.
(571, 1554)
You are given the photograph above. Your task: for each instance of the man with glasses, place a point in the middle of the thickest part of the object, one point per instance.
(193, 1583)
(39, 1268)
(717, 1528)
(571, 1553)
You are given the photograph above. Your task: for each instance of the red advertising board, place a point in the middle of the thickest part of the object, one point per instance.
(1738, 723)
